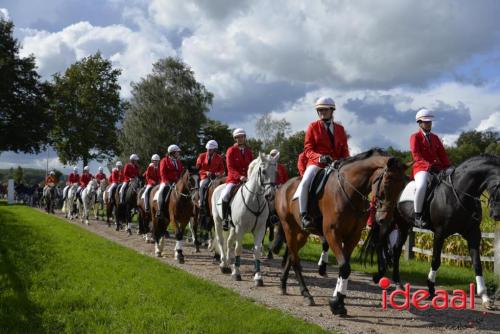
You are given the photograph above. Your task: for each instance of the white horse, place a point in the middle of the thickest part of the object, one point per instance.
(88, 200)
(69, 206)
(103, 184)
(249, 212)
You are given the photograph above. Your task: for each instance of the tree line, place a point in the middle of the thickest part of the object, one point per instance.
(80, 113)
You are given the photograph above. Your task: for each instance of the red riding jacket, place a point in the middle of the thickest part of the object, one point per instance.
(85, 179)
(73, 178)
(317, 143)
(302, 163)
(237, 163)
(169, 173)
(427, 154)
(281, 174)
(152, 175)
(216, 165)
(130, 172)
(116, 176)
(100, 176)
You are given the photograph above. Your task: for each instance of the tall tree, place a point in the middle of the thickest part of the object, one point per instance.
(290, 148)
(24, 117)
(271, 131)
(87, 107)
(218, 131)
(167, 107)
(19, 175)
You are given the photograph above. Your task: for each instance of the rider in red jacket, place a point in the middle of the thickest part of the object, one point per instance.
(238, 157)
(152, 177)
(73, 178)
(100, 176)
(210, 165)
(115, 179)
(170, 171)
(325, 142)
(130, 172)
(84, 181)
(281, 173)
(428, 155)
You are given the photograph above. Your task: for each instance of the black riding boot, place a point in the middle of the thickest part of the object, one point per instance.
(420, 221)
(307, 224)
(225, 215)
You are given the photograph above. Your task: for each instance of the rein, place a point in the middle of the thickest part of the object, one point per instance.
(260, 207)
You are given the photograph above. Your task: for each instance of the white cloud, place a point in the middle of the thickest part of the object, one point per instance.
(340, 44)
(492, 123)
(4, 14)
(132, 51)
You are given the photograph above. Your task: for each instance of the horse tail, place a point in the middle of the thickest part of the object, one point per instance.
(370, 245)
(279, 239)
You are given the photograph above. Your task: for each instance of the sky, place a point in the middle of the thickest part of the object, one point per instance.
(379, 60)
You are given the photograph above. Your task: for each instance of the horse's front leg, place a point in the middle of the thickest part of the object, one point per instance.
(295, 242)
(219, 243)
(179, 235)
(437, 247)
(236, 274)
(323, 260)
(257, 251)
(473, 241)
(396, 255)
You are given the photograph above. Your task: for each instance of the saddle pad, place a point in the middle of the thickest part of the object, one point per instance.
(408, 194)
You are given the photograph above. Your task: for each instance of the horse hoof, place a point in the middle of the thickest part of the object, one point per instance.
(488, 304)
(180, 260)
(225, 270)
(259, 283)
(399, 286)
(376, 278)
(337, 305)
(283, 292)
(197, 250)
(236, 277)
(158, 254)
(129, 231)
(322, 269)
(309, 301)
(270, 256)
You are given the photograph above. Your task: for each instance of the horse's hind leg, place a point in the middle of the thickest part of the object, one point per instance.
(323, 260)
(284, 274)
(179, 236)
(257, 252)
(236, 275)
(437, 247)
(295, 243)
(473, 241)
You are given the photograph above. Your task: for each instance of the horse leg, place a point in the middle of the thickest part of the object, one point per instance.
(257, 252)
(178, 243)
(219, 238)
(396, 255)
(381, 261)
(294, 245)
(323, 260)
(337, 305)
(473, 241)
(195, 224)
(270, 238)
(285, 272)
(436, 262)
(230, 259)
(158, 236)
(236, 275)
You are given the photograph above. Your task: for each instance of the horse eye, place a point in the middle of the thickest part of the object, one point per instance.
(264, 172)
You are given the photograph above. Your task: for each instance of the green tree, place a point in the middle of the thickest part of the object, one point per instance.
(24, 117)
(218, 131)
(19, 175)
(87, 107)
(290, 148)
(271, 131)
(167, 107)
(472, 143)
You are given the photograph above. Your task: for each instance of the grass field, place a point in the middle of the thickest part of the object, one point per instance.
(57, 277)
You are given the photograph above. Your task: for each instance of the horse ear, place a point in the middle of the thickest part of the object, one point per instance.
(262, 156)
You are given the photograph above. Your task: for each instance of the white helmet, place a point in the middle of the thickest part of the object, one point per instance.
(324, 102)
(173, 148)
(155, 157)
(211, 145)
(52, 172)
(75, 169)
(239, 132)
(100, 169)
(86, 168)
(118, 164)
(274, 152)
(424, 115)
(134, 157)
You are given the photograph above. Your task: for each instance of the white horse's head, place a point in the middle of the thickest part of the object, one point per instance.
(263, 171)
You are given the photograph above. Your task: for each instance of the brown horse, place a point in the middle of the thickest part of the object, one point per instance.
(180, 210)
(343, 204)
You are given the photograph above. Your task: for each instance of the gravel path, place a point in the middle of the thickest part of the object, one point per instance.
(363, 301)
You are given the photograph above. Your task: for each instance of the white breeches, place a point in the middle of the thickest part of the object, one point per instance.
(420, 188)
(160, 191)
(203, 186)
(111, 188)
(124, 184)
(303, 189)
(149, 186)
(226, 193)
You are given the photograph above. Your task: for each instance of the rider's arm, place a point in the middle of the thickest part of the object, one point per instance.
(310, 144)
(230, 163)
(416, 152)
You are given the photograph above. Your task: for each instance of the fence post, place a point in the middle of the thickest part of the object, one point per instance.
(496, 264)
(410, 242)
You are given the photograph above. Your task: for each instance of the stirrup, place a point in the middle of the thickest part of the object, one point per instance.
(306, 223)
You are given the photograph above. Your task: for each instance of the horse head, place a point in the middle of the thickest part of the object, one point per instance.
(263, 171)
(386, 188)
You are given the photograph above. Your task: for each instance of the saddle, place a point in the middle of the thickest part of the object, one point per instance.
(434, 180)
(316, 190)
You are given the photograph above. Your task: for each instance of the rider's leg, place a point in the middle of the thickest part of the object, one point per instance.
(304, 186)
(160, 200)
(65, 192)
(203, 189)
(123, 191)
(226, 197)
(146, 197)
(420, 188)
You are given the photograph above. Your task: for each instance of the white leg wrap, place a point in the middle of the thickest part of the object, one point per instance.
(336, 287)
(343, 285)
(432, 276)
(178, 245)
(481, 287)
(323, 258)
(257, 276)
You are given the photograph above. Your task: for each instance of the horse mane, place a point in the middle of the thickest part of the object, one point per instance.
(376, 151)
(483, 158)
(253, 165)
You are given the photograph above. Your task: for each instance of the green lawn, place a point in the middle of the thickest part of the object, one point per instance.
(57, 277)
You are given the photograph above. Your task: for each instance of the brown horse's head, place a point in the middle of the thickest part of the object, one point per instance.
(386, 189)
